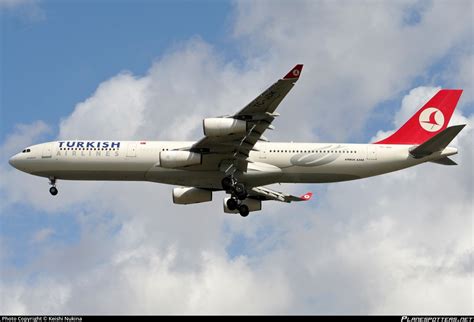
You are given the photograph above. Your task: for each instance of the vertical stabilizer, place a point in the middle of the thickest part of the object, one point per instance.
(430, 120)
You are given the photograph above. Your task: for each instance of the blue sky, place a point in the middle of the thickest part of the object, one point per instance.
(154, 69)
(77, 44)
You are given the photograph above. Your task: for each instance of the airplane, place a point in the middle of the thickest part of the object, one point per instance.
(234, 156)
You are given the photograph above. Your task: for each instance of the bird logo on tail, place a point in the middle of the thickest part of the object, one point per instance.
(431, 119)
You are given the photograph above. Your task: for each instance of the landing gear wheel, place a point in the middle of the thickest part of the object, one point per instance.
(240, 191)
(244, 210)
(232, 204)
(242, 195)
(53, 191)
(227, 183)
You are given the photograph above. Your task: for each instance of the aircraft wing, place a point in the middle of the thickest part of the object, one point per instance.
(262, 193)
(258, 115)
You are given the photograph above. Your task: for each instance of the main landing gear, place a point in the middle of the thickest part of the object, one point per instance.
(53, 190)
(238, 193)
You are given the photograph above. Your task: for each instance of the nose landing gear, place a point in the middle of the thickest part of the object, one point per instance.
(53, 190)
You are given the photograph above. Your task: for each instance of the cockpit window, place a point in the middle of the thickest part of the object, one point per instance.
(26, 151)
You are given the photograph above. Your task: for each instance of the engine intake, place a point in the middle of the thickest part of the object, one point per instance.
(178, 159)
(253, 204)
(189, 195)
(223, 126)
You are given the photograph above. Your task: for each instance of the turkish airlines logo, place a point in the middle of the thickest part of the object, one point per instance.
(306, 196)
(296, 72)
(431, 119)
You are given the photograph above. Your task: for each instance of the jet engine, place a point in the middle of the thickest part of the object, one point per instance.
(188, 195)
(223, 126)
(177, 159)
(253, 204)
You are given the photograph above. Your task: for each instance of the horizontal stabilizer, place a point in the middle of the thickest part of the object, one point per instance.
(445, 161)
(437, 143)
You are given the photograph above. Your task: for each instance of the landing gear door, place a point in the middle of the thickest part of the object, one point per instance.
(47, 151)
(372, 152)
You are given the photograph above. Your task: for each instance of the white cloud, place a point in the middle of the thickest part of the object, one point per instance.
(413, 102)
(170, 101)
(150, 282)
(14, 184)
(399, 243)
(356, 55)
(23, 135)
(115, 110)
(461, 74)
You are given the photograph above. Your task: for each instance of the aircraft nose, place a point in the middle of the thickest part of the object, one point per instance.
(13, 161)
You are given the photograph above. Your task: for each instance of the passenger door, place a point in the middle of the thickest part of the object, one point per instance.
(132, 149)
(372, 152)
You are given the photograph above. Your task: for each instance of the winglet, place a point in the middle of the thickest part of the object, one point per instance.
(295, 72)
(307, 196)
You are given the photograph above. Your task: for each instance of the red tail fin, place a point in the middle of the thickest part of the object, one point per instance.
(431, 119)
(295, 72)
(306, 196)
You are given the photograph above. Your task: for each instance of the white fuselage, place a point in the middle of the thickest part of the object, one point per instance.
(269, 163)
